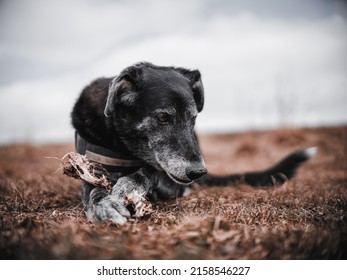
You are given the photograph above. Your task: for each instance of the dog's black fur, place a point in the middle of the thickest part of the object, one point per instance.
(149, 111)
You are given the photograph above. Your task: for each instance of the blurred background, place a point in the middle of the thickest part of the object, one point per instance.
(265, 64)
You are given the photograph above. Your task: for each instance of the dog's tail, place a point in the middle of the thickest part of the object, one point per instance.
(277, 174)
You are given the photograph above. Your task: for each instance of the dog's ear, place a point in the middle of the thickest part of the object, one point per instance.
(195, 82)
(198, 91)
(122, 89)
(117, 86)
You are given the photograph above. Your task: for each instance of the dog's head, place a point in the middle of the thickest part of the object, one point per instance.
(153, 110)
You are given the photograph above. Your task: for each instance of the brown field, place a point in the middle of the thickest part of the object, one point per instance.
(41, 216)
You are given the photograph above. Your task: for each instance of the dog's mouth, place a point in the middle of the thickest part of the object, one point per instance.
(179, 180)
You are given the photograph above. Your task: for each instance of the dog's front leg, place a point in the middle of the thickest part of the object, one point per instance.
(104, 206)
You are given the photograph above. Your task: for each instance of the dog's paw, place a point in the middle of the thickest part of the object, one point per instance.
(109, 208)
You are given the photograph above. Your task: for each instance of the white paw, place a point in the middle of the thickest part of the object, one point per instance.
(108, 209)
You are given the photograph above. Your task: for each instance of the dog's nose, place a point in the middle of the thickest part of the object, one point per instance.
(195, 173)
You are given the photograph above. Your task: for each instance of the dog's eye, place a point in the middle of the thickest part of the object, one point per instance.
(163, 118)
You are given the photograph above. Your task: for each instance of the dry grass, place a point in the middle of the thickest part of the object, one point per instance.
(41, 216)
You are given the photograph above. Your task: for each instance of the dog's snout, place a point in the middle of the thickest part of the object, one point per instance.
(195, 173)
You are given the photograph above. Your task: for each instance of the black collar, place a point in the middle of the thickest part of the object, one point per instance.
(115, 160)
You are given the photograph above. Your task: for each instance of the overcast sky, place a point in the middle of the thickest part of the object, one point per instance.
(264, 63)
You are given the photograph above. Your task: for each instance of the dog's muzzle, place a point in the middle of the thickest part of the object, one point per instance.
(195, 173)
(192, 173)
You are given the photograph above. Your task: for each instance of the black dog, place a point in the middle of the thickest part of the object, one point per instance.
(140, 126)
